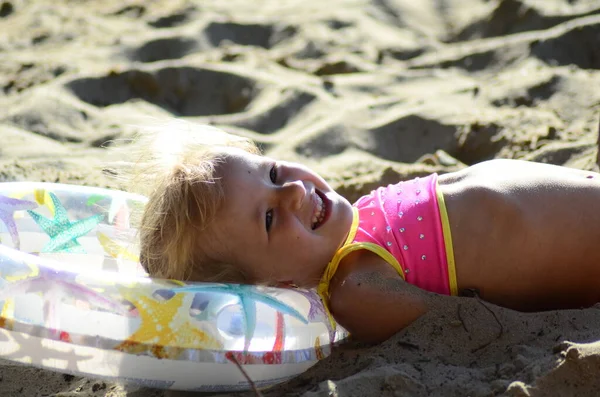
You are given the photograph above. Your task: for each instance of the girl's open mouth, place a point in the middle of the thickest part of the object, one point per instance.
(321, 211)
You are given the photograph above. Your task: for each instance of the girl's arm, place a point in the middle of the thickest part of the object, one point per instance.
(370, 300)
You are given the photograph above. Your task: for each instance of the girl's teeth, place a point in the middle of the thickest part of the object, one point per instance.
(319, 213)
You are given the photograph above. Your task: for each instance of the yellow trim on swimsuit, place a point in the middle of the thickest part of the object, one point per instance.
(332, 266)
(343, 251)
(447, 241)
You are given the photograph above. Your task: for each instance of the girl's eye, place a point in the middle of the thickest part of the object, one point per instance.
(273, 173)
(269, 220)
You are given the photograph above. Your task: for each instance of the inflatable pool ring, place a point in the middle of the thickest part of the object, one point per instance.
(75, 299)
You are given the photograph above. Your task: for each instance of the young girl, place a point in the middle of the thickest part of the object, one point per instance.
(519, 234)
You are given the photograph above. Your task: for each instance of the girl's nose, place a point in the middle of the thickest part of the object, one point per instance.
(293, 194)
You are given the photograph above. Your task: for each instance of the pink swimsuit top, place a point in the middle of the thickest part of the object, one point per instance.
(406, 225)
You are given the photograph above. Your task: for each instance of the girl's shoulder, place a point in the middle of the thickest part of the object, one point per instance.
(370, 299)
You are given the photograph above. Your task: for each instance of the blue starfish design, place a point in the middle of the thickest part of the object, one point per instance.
(8, 206)
(63, 232)
(247, 296)
(206, 307)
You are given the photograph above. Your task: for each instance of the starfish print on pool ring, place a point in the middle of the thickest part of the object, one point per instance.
(162, 332)
(317, 311)
(13, 267)
(118, 213)
(8, 206)
(247, 295)
(114, 249)
(56, 286)
(42, 197)
(63, 232)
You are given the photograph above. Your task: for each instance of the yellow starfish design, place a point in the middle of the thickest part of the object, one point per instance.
(7, 318)
(164, 332)
(114, 249)
(43, 198)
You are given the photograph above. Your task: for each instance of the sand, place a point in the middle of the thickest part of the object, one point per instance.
(365, 91)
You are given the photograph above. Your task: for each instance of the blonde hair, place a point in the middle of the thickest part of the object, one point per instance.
(177, 168)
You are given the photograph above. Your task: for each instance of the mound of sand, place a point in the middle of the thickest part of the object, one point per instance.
(366, 92)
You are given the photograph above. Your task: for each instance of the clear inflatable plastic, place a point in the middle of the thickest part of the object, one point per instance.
(75, 299)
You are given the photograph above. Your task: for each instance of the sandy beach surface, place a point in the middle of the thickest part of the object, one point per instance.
(367, 92)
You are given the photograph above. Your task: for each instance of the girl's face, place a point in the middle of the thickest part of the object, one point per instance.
(280, 222)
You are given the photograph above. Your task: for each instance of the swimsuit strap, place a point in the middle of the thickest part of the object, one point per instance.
(332, 266)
